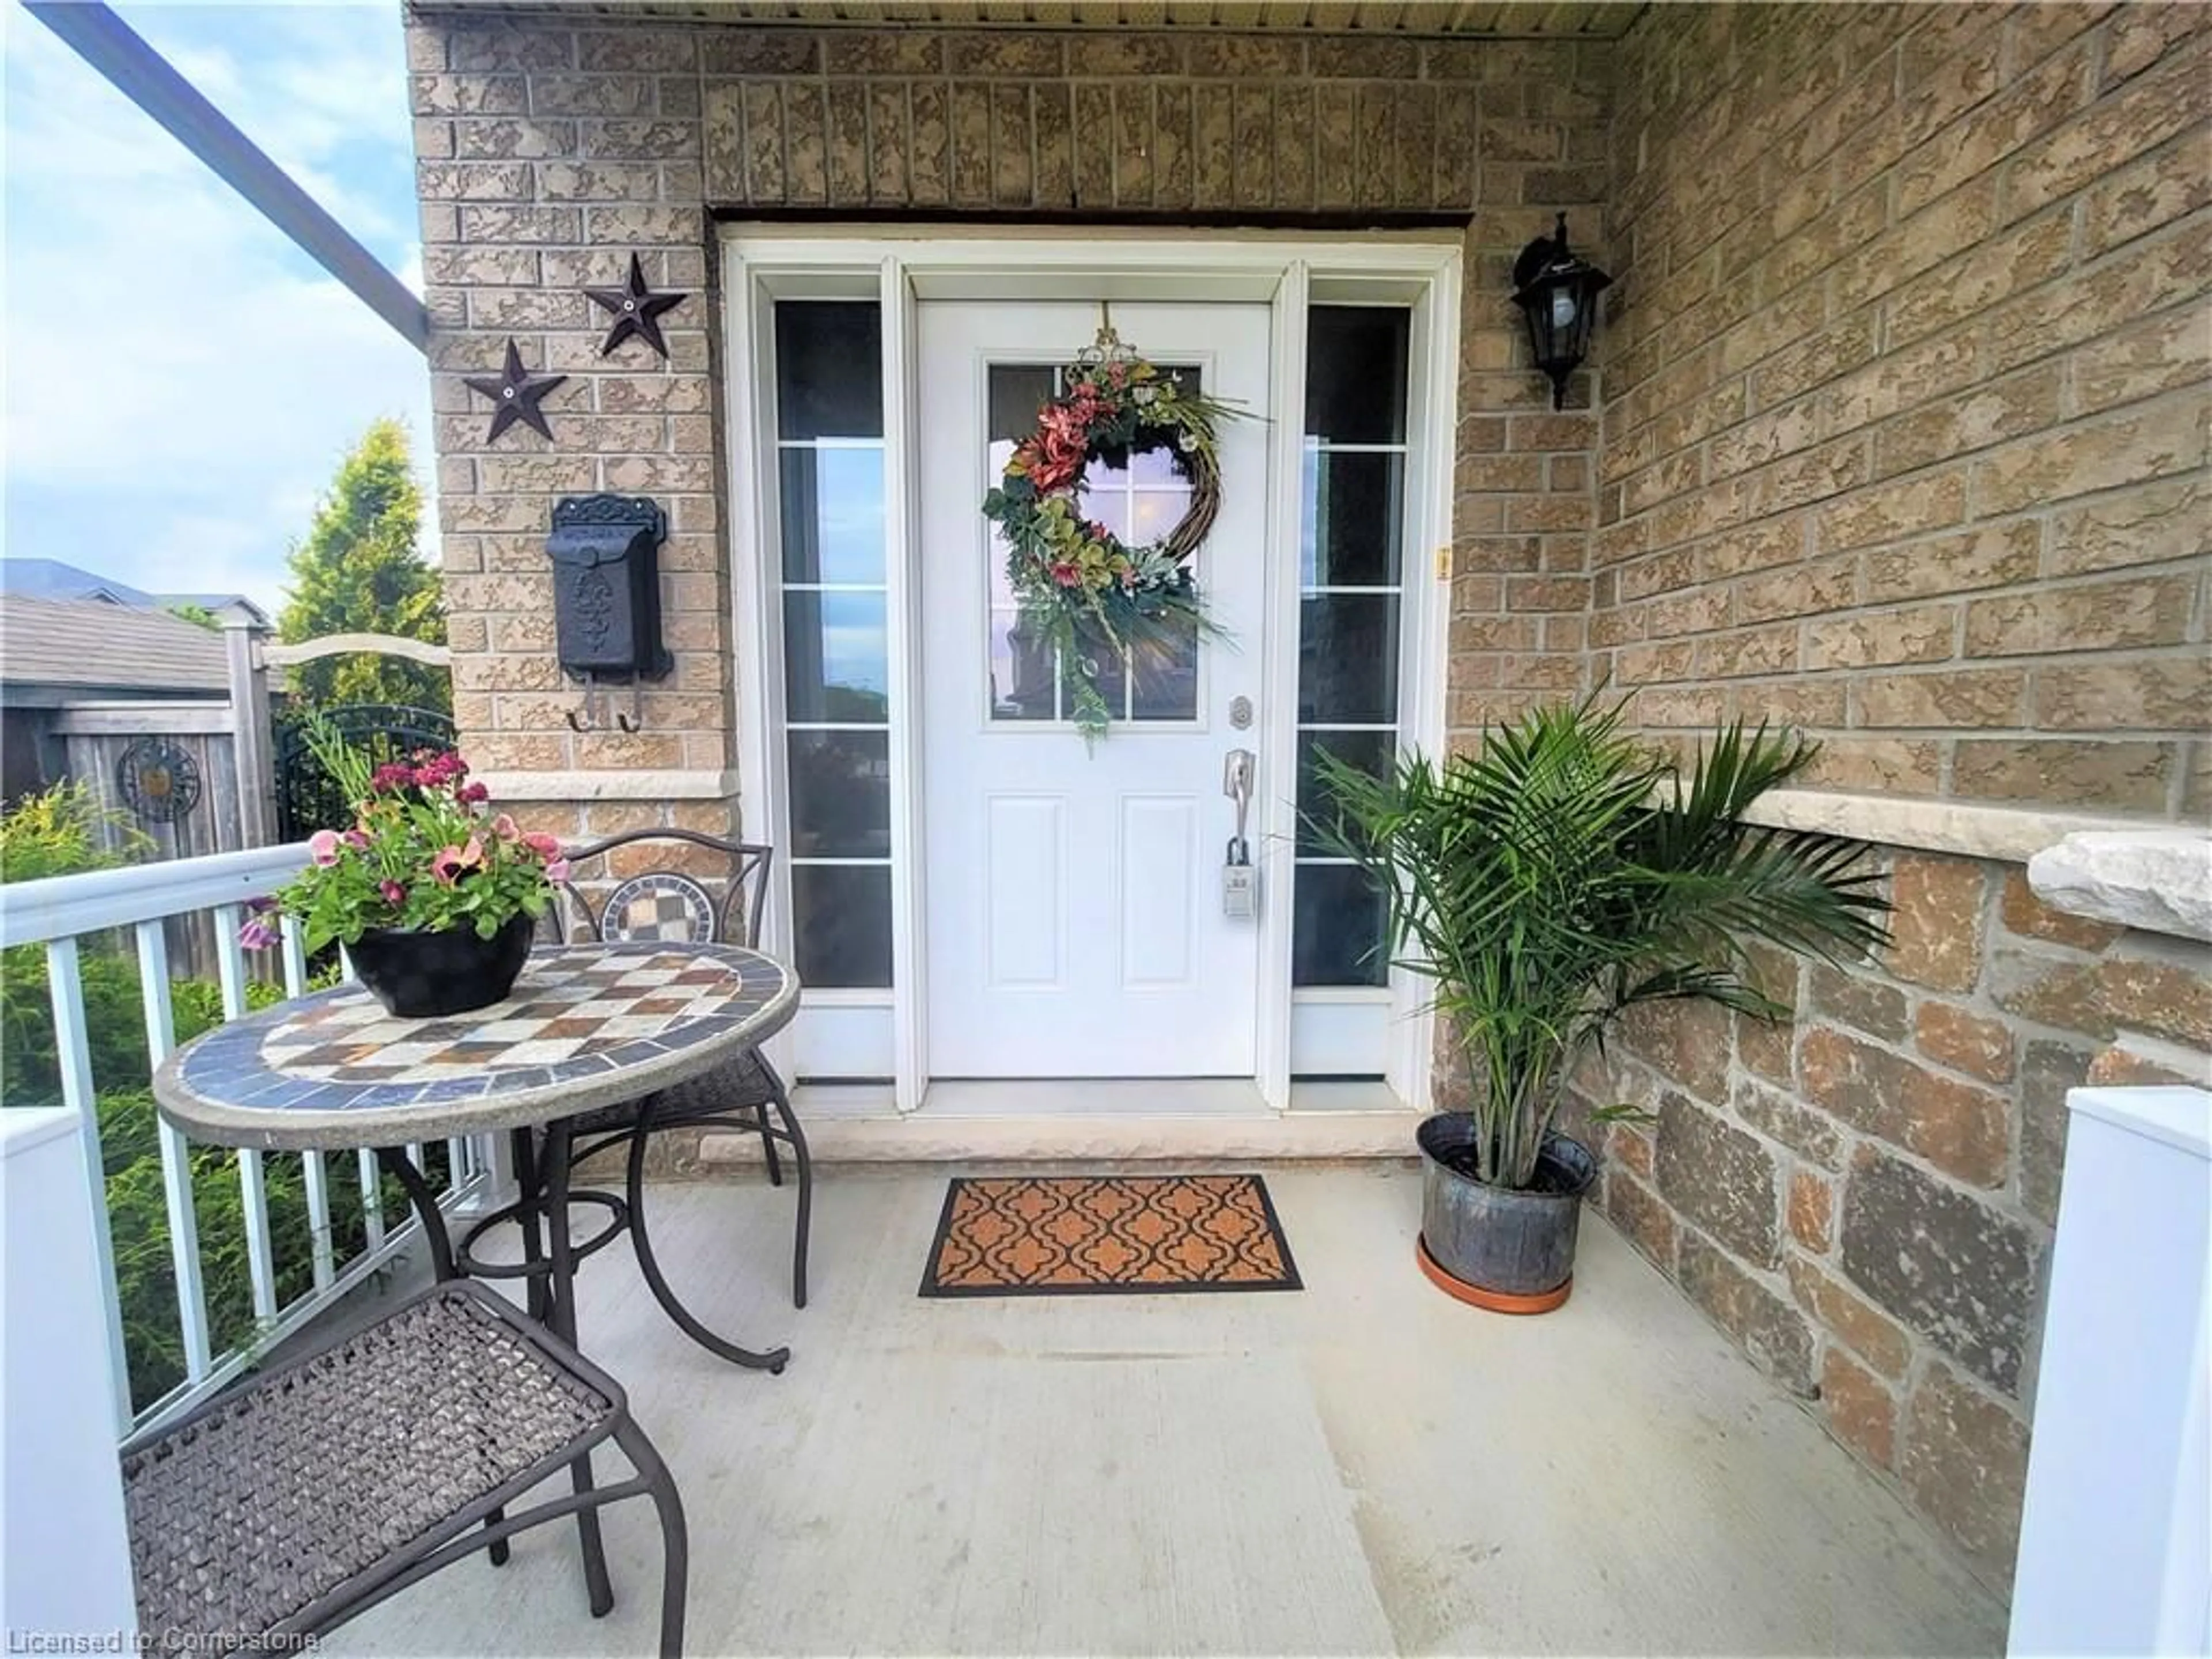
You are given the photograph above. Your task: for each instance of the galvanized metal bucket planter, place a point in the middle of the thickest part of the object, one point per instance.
(1507, 1250)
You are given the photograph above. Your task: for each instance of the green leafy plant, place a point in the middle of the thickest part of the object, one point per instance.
(1564, 873)
(425, 853)
(64, 831)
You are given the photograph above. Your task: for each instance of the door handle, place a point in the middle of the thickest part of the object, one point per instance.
(1237, 774)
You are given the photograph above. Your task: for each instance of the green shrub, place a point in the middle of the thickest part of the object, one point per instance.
(58, 833)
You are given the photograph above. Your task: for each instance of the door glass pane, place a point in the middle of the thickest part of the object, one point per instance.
(1165, 683)
(1348, 659)
(828, 369)
(833, 515)
(840, 794)
(836, 658)
(1017, 393)
(1021, 672)
(1356, 373)
(1350, 524)
(844, 924)
(1108, 668)
(1336, 927)
(1371, 751)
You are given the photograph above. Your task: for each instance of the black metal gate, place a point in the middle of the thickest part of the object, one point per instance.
(308, 799)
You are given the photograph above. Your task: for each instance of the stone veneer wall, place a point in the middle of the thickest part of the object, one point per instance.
(552, 147)
(1864, 1198)
(1905, 423)
(1904, 392)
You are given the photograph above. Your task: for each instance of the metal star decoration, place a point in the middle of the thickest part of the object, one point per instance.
(637, 310)
(517, 392)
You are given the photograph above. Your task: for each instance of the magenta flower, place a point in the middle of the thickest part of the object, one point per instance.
(258, 935)
(394, 894)
(323, 846)
(357, 839)
(545, 845)
(474, 794)
(557, 869)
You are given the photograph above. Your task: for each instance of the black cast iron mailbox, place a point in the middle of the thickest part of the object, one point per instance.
(607, 586)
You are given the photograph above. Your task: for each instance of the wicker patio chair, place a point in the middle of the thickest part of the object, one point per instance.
(317, 1490)
(717, 897)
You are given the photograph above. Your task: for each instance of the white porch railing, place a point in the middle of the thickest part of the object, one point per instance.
(57, 913)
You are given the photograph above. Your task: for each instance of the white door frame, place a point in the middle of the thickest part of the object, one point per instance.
(900, 268)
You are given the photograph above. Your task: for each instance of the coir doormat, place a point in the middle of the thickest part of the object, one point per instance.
(1104, 1235)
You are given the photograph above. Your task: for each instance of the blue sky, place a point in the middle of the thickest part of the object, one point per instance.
(180, 381)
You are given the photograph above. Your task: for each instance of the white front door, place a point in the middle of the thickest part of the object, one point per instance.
(1073, 917)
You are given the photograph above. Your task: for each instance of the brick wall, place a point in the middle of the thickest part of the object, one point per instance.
(1904, 378)
(551, 152)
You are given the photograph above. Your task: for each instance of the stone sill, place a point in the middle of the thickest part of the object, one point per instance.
(644, 784)
(1924, 823)
(2158, 881)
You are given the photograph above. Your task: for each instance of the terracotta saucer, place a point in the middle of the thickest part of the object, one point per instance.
(1496, 1301)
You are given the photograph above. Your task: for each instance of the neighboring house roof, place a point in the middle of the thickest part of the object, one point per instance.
(95, 645)
(50, 578)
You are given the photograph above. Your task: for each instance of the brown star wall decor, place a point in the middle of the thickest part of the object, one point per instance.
(636, 309)
(517, 392)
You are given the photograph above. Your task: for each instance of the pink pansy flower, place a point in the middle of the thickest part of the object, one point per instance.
(455, 862)
(557, 869)
(323, 846)
(394, 894)
(258, 935)
(356, 839)
(505, 828)
(545, 845)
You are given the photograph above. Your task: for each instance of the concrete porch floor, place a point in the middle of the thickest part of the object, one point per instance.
(1366, 1468)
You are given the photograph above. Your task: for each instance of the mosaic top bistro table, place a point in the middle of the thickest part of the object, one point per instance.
(587, 1026)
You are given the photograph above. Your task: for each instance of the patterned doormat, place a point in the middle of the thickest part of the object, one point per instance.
(1106, 1235)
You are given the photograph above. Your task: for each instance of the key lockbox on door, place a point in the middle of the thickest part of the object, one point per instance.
(607, 586)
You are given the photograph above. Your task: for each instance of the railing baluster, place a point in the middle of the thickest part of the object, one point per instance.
(252, 1178)
(176, 1155)
(311, 1163)
(371, 1197)
(65, 986)
(318, 1217)
(295, 957)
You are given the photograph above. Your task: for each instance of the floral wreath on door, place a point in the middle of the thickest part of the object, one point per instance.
(1080, 588)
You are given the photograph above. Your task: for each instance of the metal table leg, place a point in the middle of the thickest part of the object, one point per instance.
(772, 1361)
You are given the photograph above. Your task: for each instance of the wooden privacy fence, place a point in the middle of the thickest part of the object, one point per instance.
(199, 777)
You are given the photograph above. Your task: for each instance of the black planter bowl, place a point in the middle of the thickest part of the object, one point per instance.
(1507, 1249)
(418, 976)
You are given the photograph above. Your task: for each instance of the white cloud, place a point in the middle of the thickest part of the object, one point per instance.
(181, 380)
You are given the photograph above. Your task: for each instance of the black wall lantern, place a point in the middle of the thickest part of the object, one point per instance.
(1558, 291)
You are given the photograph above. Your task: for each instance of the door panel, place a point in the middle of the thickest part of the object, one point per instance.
(1073, 924)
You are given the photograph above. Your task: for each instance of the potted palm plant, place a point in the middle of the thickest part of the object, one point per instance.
(1547, 883)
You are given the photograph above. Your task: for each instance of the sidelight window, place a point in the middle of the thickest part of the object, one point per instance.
(835, 637)
(1352, 596)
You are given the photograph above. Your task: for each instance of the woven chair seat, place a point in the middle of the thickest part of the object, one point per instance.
(247, 1513)
(745, 1084)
